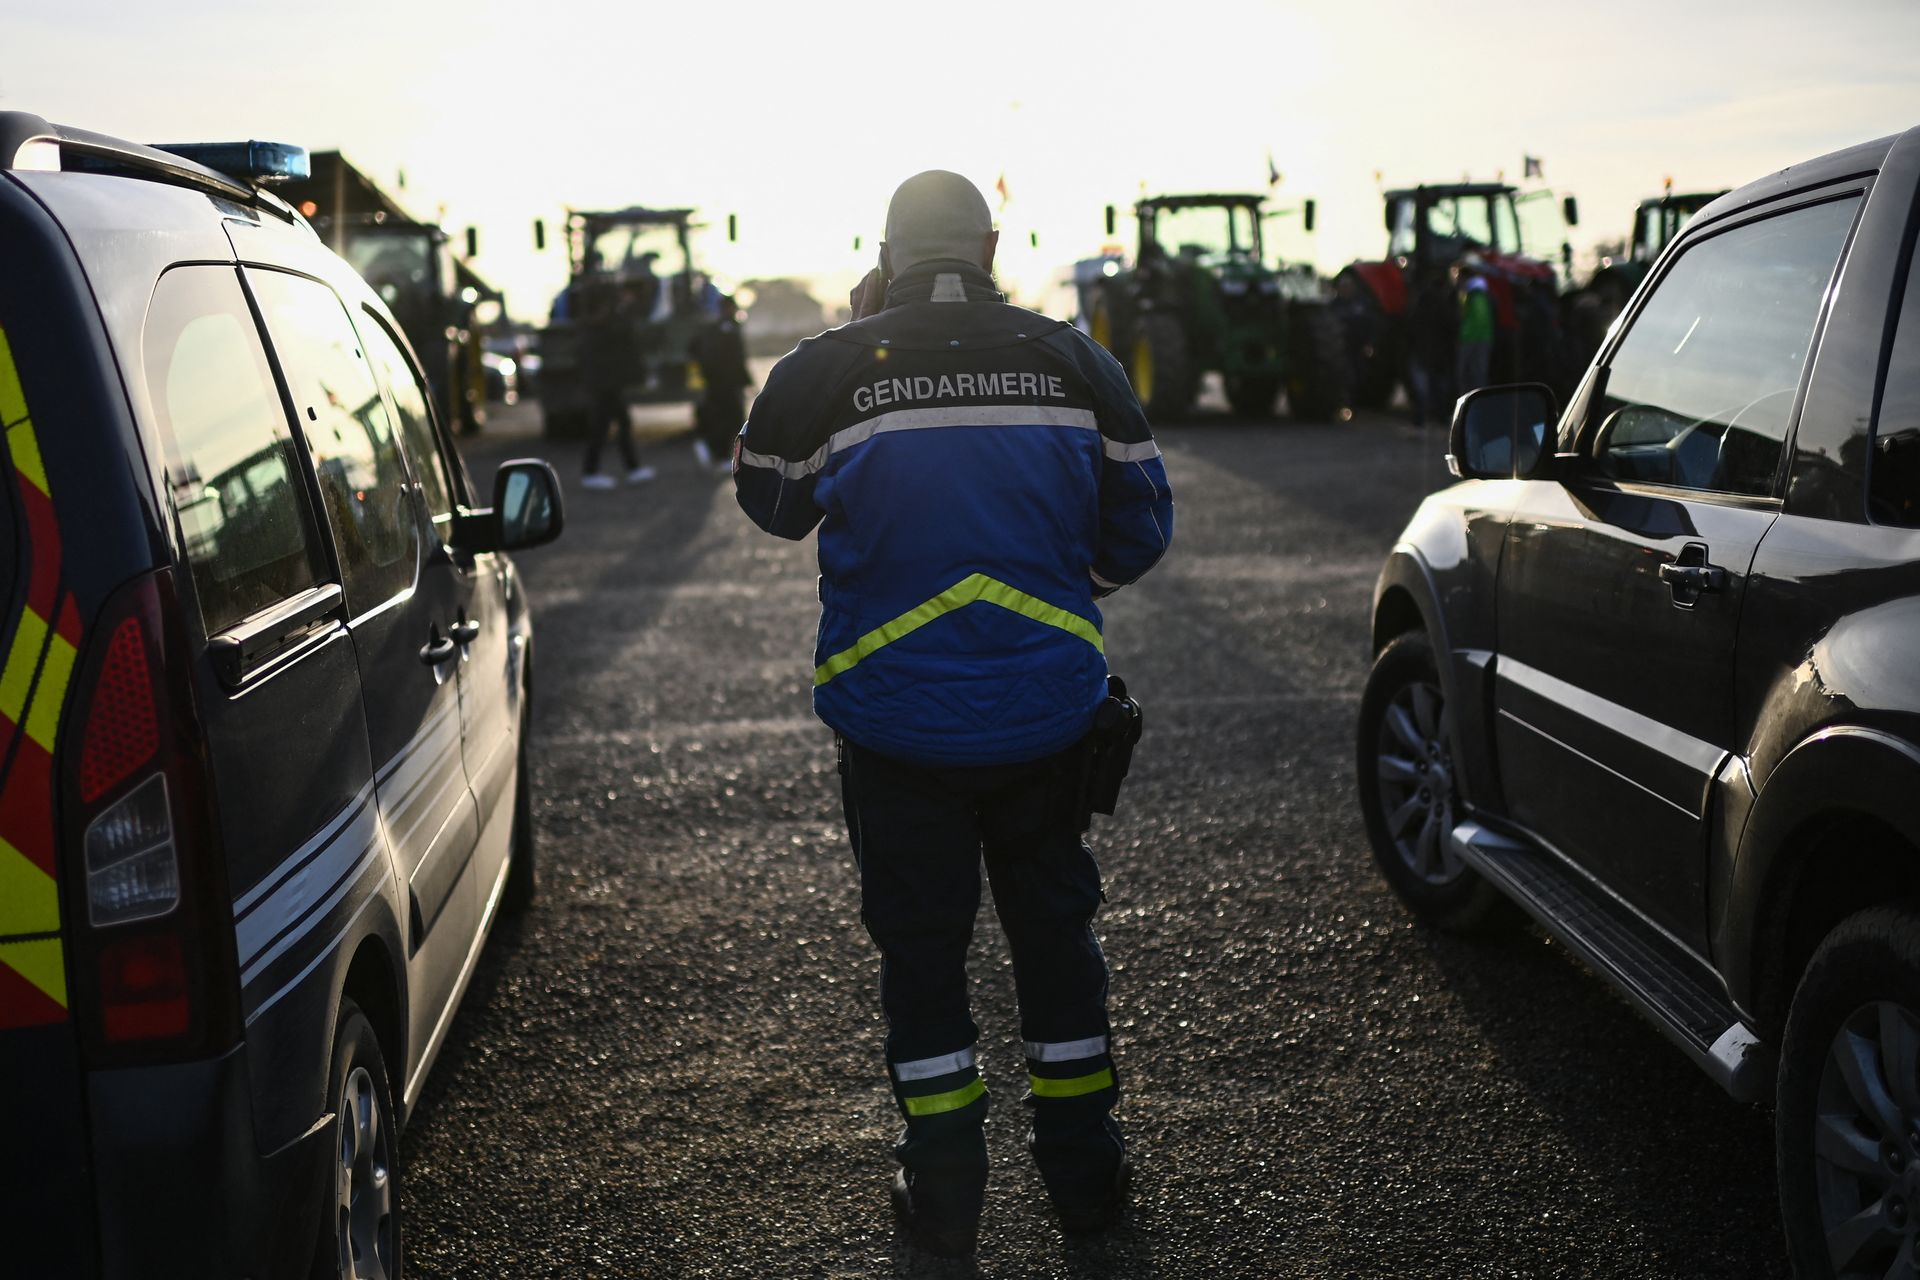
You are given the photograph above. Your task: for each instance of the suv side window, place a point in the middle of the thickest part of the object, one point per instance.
(1893, 473)
(231, 466)
(1699, 394)
(363, 482)
(416, 423)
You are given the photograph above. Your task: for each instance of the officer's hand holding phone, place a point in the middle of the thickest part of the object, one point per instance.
(870, 295)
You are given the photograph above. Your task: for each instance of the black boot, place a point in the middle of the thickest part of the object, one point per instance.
(945, 1239)
(1084, 1214)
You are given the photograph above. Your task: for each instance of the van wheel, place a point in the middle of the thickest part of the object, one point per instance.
(523, 880)
(1407, 791)
(1847, 1113)
(359, 1235)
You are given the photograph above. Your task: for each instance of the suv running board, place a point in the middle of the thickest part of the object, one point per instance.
(1670, 987)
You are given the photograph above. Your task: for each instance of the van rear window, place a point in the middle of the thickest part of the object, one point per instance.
(244, 517)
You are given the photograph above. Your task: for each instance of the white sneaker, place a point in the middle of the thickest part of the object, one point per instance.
(702, 454)
(594, 480)
(639, 475)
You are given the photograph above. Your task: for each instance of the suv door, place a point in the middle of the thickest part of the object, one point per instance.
(1621, 583)
(489, 670)
(400, 612)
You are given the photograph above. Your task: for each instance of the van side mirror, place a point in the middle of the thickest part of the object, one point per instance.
(527, 511)
(1570, 209)
(1502, 433)
(1113, 220)
(1309, 212)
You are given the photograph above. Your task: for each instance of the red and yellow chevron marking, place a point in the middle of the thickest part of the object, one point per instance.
(40, 656)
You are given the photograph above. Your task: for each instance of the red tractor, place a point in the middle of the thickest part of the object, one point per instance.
(1405, 307)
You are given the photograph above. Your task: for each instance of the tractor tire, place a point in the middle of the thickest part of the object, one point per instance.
(1253, 396)
(1367, 344)
(1162, 367)
(1101, 323)
(1318, 386)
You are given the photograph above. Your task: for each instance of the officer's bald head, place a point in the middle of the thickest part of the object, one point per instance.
(938, 214)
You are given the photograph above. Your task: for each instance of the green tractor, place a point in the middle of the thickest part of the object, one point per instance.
(1200, 297)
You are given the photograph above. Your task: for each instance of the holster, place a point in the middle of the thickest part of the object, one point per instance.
(1107, 753)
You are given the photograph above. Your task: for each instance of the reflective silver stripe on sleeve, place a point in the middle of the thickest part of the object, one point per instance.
(791, 470)
(927, 1068)
(1067, 1050)
(1132, 452)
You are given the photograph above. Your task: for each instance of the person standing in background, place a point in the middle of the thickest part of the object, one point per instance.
(721, 352)
(1476, 327)
(608, 358)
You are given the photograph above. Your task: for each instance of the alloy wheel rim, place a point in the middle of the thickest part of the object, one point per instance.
(1413, 767)
(1866, 1143)
(364, 1182)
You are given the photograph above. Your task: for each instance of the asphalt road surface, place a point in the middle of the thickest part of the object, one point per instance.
(672, 1067)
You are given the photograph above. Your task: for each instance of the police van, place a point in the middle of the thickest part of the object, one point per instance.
(265, 675)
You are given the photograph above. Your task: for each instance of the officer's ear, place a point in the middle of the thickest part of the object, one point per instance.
(991, 243)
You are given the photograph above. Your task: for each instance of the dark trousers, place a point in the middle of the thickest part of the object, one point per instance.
(609, 415)
(919, 836)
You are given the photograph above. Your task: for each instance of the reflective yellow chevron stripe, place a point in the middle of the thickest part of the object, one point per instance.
(934, 1104)
(13, 402)
(40, 963)
(24, 445)
(16, 678)
(43, 718)
(1073, 1086)
(29, 900)
(975, 588)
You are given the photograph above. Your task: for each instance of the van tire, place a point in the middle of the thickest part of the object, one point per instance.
(359, 1224)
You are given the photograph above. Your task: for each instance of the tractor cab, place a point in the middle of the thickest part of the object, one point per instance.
(1199, 297)
(1437, 226)
(1659, 219)
(640, 265)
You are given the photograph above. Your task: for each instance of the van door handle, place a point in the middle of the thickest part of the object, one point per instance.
(437, 651)
(464, 632)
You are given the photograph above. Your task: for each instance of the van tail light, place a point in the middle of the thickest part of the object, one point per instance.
(152, 928)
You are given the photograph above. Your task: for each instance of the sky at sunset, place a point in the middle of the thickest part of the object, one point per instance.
(801, 118)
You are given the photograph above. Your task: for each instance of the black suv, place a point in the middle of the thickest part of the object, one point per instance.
(1654, 675)
(264, 681)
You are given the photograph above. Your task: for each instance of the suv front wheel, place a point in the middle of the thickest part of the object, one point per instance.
(1847, 1114)
(1407, 790)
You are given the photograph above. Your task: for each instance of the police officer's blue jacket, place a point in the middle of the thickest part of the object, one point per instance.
(980, 474)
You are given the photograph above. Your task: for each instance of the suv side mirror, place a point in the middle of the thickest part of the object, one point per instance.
(527, 510)
(1500, 433)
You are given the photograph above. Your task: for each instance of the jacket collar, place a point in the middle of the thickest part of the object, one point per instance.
(943, 280)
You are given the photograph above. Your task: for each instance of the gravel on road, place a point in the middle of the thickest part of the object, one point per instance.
(672, 1066)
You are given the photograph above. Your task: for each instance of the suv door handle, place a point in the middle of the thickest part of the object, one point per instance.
(464, 632)
(1696, 577)
(437, 651)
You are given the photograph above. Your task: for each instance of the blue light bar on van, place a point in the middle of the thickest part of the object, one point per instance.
(261, 162)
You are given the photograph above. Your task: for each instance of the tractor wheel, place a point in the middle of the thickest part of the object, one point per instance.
(1162, 367)
(1100, 326)
(1318, 388)
(1365, 342)
(1252, 396)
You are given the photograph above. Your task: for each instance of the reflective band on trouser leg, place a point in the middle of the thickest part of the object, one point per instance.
(933, 1104)
(1071, 1086)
